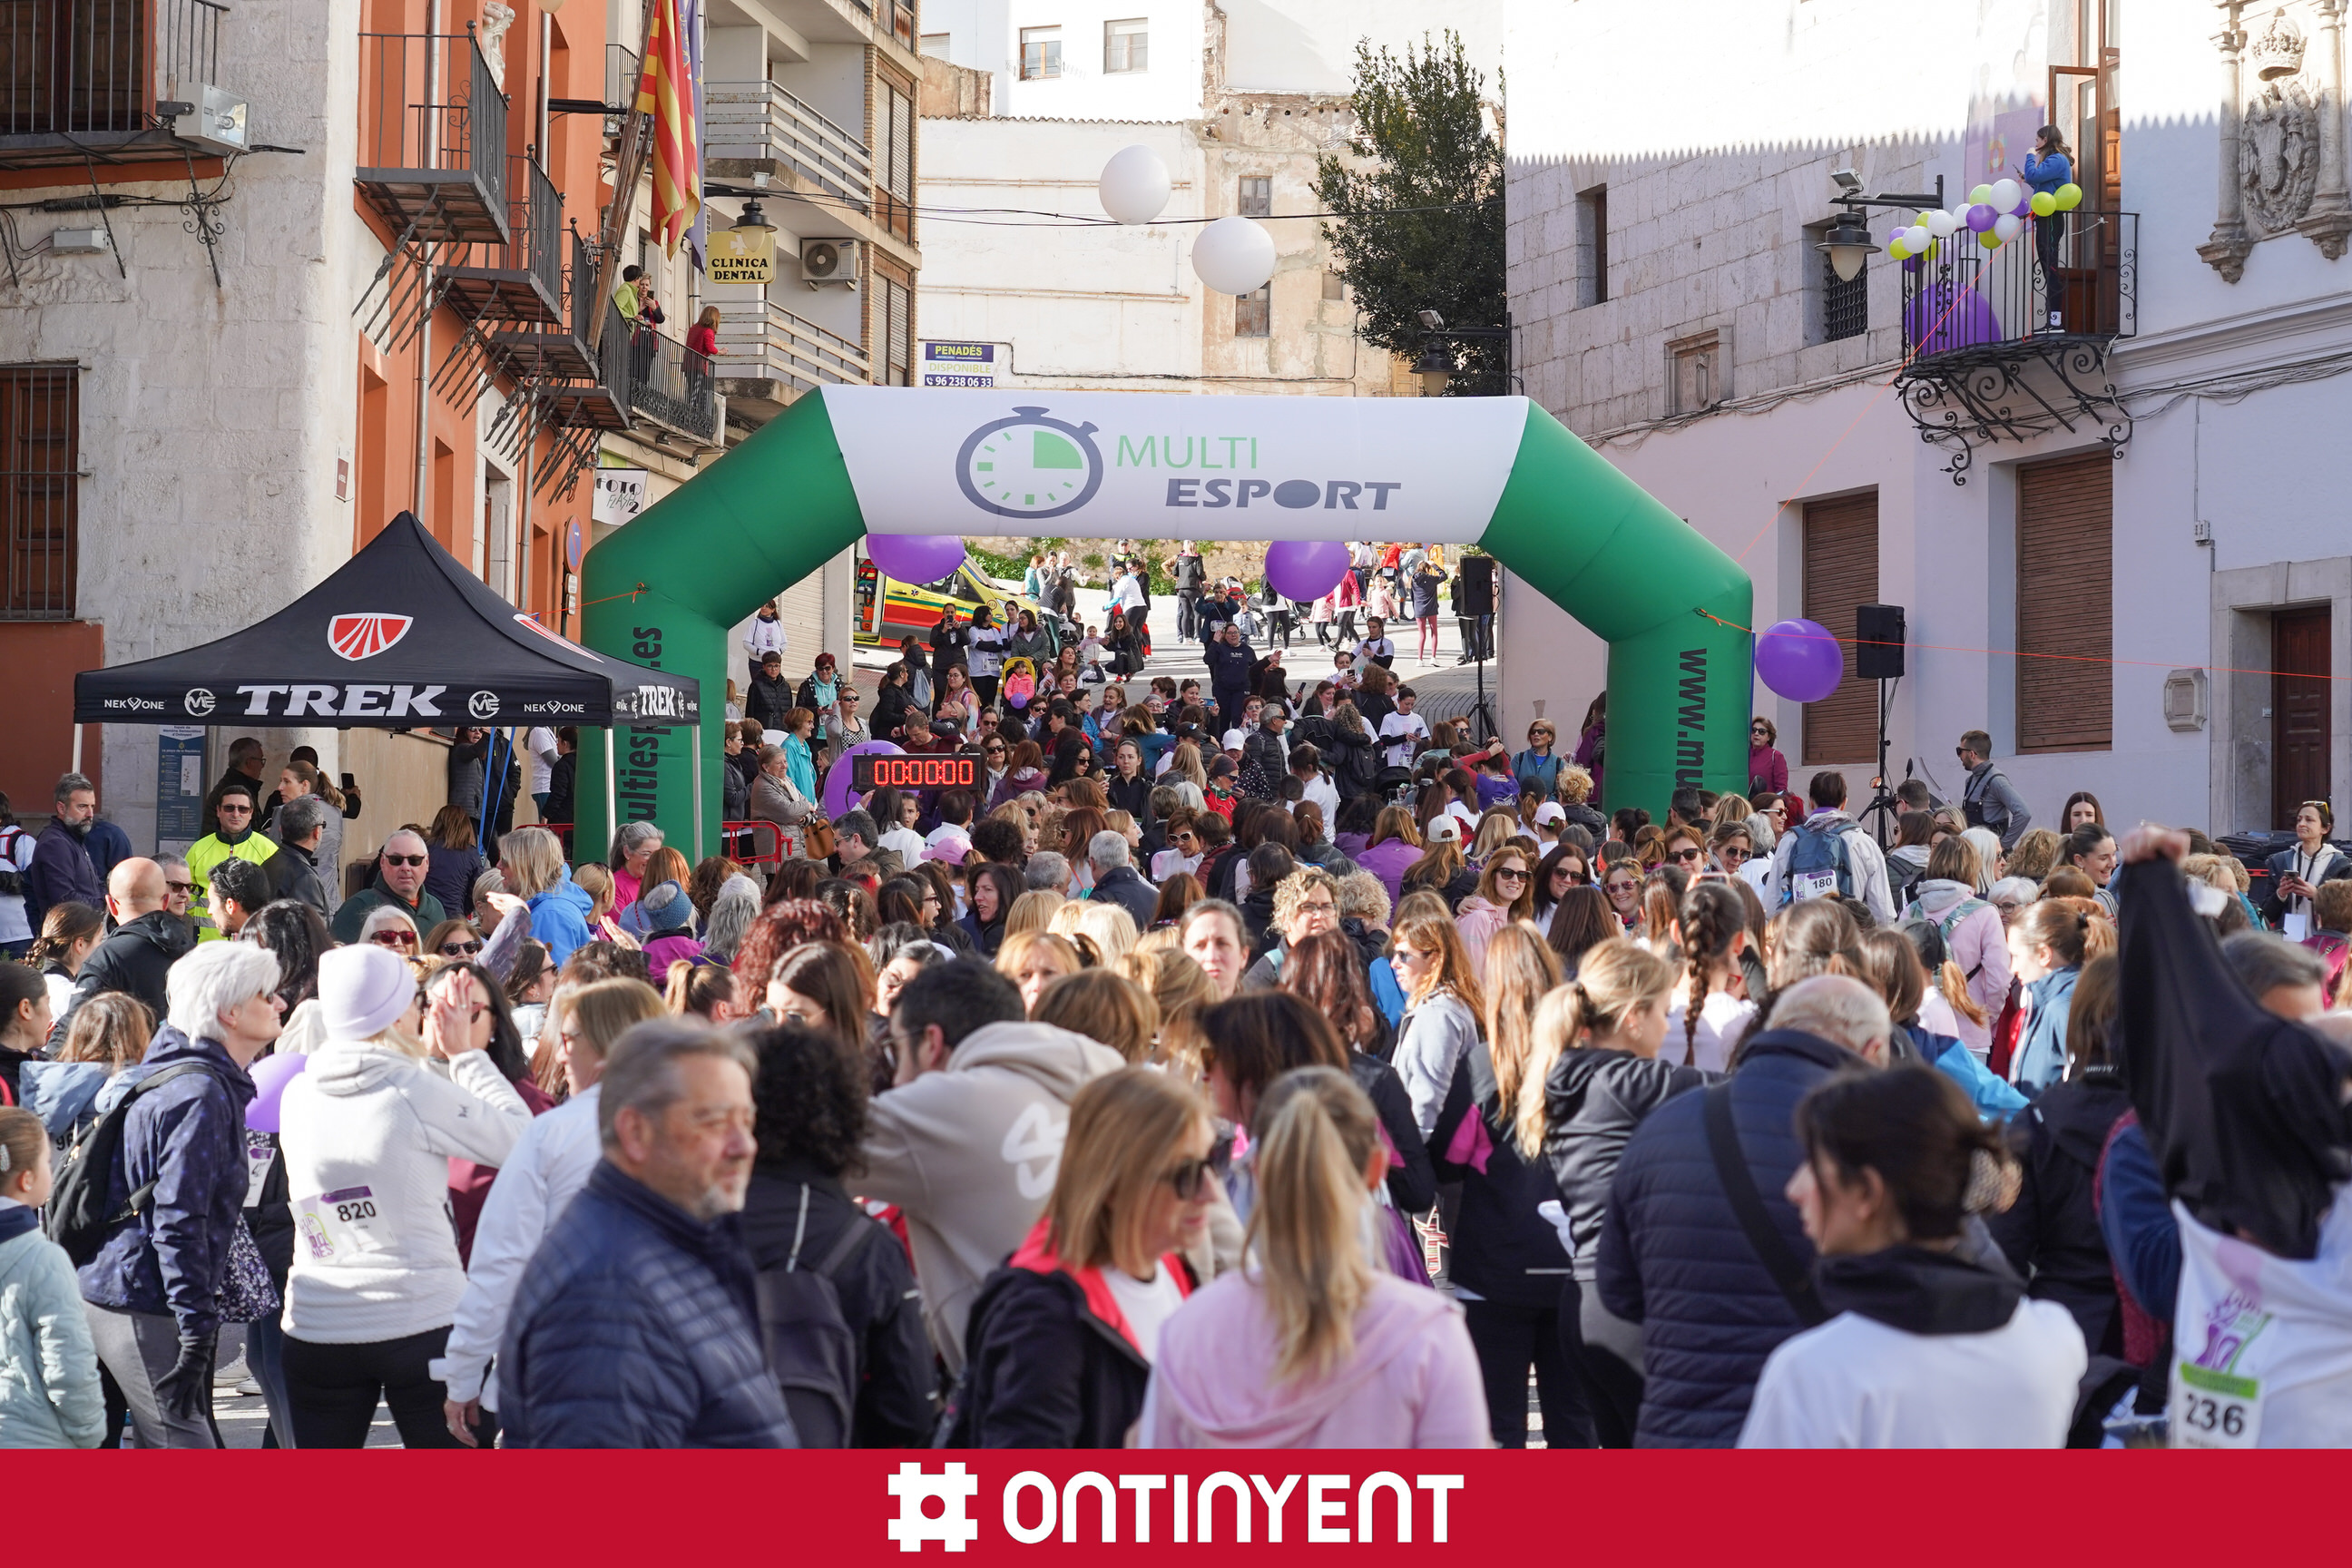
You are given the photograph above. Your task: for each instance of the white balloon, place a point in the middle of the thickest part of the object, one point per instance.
(1939, 223)
(2005, 194)
(1233, 256)
(1134, 185)
(2008, 225)
(1918, 237)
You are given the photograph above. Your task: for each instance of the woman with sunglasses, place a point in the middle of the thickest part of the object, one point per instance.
(1768, 770)
(1621, 882)
(386, 926)
(1062, 1339)
(1507, 892)
(1563, 866)
(453, 941)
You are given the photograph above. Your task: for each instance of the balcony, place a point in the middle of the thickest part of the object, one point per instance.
(79, 80)
(675, 389)
(771, 356)
(2009, 343)
(758, 122)
(432, 138)
(558, 351)
(519, 278)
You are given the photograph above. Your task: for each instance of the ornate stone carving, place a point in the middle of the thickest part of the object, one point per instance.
(496, 17)
(2279, 154)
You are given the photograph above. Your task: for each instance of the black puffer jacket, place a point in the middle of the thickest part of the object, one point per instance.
(1355, 762)
(1503, 1248)
(133, 961)
(1592, 1102)
(2051, 1234)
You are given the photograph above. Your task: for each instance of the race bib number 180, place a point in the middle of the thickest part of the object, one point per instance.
(2215, 1409)
(1805, 884)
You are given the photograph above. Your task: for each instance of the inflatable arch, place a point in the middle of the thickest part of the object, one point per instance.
(668, 589)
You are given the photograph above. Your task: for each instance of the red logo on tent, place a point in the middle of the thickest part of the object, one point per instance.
(532, 623)
(365, 635)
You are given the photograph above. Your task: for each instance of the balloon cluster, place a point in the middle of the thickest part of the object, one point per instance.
(1995, 212)
(1232, 254)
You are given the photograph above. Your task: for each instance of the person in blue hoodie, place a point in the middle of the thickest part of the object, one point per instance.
(2046, 168)
(2047, 949)
(531, 861)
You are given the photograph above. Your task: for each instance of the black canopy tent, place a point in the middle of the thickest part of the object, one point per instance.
(402, 637)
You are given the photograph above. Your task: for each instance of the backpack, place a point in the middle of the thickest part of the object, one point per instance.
(12, 881)
(2335, 949)
(79, 1217)
(809, 1343)
(1919, 920)
(1817, 865)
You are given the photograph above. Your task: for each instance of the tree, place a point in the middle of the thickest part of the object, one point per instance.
(1420, 206)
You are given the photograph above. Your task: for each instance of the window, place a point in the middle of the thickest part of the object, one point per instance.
(936, 45)
(1334, 286)
(1254, 312)
(2065, 605)
(39, 453)
(1125, 46)
(1257, 195)
(1698, 371)
(894, 161)
(1592, 245)
(897, 304)
(1841, 573)
(1040, 53)
(1845, 306)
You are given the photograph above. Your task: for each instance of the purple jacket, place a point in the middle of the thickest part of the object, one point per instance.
(1389, 860)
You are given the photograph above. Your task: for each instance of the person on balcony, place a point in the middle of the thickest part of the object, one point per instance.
(2046, 168)
(702, 347)
(635, 299)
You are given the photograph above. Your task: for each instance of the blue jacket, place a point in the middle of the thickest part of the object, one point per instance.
(1674, 1258)
(188, 1138)
(2136, 1223)
(108, 847)
(637, 1326)
(1229, 667)
(2042, 1050)
(61, 873)
(1993, 1097)
(2048, 174)
(559, 915)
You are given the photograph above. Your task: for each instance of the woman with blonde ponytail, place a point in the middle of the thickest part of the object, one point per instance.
(1313, 1346)
(1508, 1262)
(1606, 1027)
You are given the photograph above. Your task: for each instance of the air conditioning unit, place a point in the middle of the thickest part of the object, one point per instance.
(826, 262)
(215, 120)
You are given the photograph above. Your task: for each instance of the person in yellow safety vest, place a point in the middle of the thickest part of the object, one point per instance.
(235, 839)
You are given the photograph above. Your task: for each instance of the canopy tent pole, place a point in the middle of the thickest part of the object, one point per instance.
(611, 792)
(694, 749)
(77, 747)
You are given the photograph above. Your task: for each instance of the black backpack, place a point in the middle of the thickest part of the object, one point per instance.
(811, 1349)
(79, 1217)
(12, 881)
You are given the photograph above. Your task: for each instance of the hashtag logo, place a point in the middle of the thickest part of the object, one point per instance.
(953, 1526)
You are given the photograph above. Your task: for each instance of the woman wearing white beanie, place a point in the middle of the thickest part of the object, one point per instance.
(368, 1133)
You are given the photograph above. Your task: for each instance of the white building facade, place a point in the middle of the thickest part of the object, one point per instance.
(2116, 517)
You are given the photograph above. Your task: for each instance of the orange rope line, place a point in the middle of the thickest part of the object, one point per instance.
(632, 596)
(2020, 653)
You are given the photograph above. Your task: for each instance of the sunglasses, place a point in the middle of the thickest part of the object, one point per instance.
(394, 939)
(1188, 1179)
(461, 949)
(1575, 873)
(182, 888)
(1732, 853)
(404, 859)
(231, 808)
(1688, 857)
(1621, 887)
(1511, 875)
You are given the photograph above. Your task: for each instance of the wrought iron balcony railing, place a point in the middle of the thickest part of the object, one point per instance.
(433, 137)
(83, 77)
(519, 278)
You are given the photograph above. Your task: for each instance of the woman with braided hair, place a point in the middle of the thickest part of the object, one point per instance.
(1925, 1348)
(1713, 1014)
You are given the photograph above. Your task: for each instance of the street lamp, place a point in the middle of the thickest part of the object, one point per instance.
(1848, 245)
(753, 219)
(1436, 367)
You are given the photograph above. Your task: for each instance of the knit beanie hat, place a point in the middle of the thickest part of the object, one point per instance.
(362, 991)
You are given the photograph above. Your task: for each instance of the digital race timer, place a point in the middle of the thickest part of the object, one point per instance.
(870, 771)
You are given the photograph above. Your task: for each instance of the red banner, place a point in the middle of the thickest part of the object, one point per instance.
(1623, 1511)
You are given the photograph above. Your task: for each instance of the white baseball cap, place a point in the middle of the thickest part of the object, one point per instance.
(1550, 811)
(1445, 828)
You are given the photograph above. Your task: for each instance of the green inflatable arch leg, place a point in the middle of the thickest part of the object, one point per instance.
(667, 589)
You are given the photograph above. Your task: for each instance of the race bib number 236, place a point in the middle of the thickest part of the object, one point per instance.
(2215, 1409)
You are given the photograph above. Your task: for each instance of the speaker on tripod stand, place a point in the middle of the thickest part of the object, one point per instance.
(1879, 632)
(1479, 626)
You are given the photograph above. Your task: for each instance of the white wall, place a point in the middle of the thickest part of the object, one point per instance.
(1310, 46)
(1169, 88)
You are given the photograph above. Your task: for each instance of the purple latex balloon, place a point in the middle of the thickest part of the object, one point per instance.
(1799, 660)
(270, 1076)
(1913, 263)
(837, 792)
(2024, 208)
(1981, 216)
(916, 557)
(1306, 569)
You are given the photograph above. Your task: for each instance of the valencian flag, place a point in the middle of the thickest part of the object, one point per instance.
(665, 91)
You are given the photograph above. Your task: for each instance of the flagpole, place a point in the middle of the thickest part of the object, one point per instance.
(629, 167)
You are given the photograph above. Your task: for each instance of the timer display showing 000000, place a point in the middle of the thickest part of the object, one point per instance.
(870, 771)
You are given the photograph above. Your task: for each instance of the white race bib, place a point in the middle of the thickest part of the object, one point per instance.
(1803, 885)
(341, 1225)
(260, 1150)
(2214, 1409)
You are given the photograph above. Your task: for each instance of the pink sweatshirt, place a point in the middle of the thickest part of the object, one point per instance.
(1411, 1382)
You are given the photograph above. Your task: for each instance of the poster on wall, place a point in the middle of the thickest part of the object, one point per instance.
(1996, 149)
(179, 787)
(961, 364)
(620, 496)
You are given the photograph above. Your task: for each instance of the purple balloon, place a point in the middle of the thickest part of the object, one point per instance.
(1800, 660)
(1913, 263)
(270, 1076)
(916, 557)
(837, 796)
(1981, 216)
(1306, 569)
(2024, 208)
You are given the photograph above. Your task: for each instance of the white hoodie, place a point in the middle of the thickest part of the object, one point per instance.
(368, 1133)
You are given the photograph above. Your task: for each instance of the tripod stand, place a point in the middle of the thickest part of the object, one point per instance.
(1880, 816)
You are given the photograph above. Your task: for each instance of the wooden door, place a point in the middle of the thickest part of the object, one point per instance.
(2300, 735)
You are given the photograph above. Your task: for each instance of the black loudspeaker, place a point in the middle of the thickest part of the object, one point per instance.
(1878, 642)
(1477, 584)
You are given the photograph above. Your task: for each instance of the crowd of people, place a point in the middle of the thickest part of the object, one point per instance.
(1259, 1067)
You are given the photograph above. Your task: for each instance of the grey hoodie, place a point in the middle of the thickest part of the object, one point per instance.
(970, 1152)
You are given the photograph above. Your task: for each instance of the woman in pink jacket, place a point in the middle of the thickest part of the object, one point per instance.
(1973, 935)
(1314, 1346)
(1507, 892)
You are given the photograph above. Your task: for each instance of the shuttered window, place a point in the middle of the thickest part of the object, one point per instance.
(39, 426)
(1842, 573)
(2065, 605)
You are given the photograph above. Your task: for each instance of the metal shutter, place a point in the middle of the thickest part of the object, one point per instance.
(1842, 573)
(2065, 605)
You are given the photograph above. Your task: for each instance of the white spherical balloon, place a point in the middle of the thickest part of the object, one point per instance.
(1134, 185)
(2008, 225)
(1918, 236)
(1233, 256)
(1939, 223)
(2005, 194)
